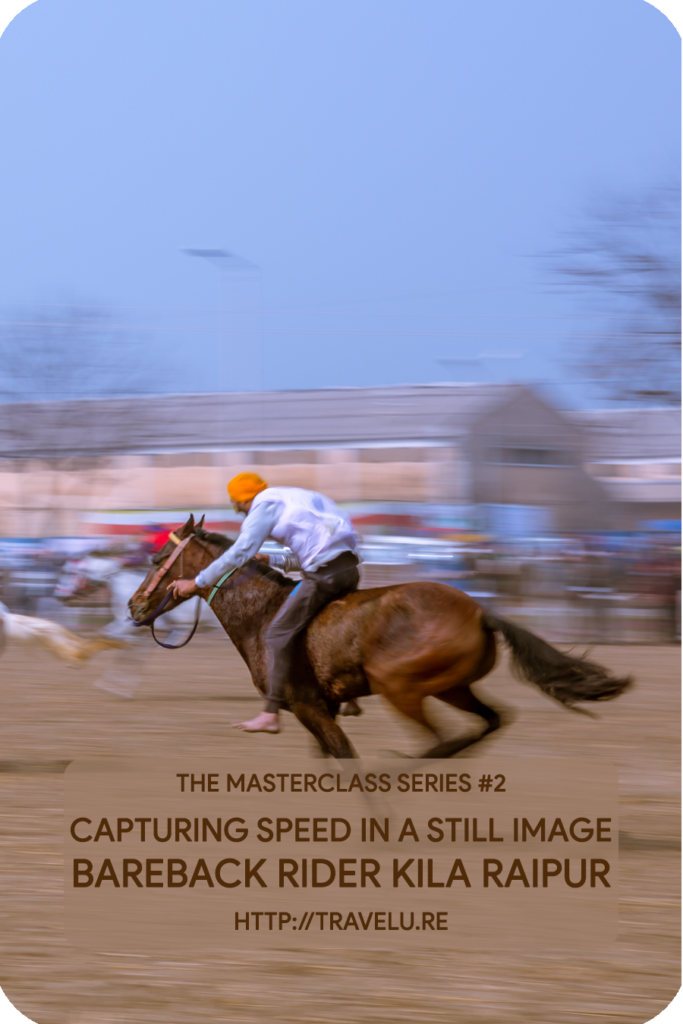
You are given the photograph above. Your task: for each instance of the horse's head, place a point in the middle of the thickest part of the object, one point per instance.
(80, 578)
(187, 551)
(73, 583)
(67, 581)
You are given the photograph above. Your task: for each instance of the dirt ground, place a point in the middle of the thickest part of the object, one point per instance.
(185, 704)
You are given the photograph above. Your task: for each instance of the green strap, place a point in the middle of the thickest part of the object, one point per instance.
(218, 585)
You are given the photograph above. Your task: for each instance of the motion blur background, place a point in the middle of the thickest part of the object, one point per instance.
(565, 520)
(230, 239)
(424, 257)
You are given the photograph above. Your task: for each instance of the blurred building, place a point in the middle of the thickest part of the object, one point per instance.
(635, 457)
(500, 452)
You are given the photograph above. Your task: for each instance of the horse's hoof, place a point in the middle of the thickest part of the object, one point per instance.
(351, 709)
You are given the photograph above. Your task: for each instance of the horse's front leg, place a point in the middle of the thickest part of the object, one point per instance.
(318, 720)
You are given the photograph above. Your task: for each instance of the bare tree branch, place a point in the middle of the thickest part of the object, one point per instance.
(625, 259)
(75, 353)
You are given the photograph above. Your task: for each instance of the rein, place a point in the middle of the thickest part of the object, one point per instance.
(174, 647)
(218, 585)
(150, 619)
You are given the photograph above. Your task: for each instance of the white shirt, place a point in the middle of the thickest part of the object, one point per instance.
(312, 526)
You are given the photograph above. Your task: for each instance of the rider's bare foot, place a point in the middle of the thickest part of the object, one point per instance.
(265, 722)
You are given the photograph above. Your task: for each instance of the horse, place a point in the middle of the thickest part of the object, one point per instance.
(80, 578)
(29, 631)
(404, 642)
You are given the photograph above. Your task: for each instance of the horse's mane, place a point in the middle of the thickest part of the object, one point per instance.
(112, 552)
(223, 542)
(260, 568)
(219, 539)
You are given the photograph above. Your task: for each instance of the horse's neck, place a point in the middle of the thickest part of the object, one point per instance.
(101, 570)
(246, 608)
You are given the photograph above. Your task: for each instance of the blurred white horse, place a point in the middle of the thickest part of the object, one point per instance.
(79, 578)
(28, 631)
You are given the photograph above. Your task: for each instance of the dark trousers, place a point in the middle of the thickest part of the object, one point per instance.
(315, 590)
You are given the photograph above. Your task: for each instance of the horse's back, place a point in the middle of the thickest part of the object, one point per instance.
(399, 622)
(422, 597)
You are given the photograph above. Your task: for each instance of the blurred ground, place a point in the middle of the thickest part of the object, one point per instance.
(184, 705)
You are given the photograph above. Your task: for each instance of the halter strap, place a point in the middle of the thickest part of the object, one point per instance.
(163, 569)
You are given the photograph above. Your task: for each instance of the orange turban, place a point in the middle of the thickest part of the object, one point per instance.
(246, 486)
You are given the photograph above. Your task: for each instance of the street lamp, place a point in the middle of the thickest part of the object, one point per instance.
(223, 259)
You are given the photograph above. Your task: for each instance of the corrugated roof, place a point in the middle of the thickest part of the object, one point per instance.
(421, 413)
(629, 433)
(418, 414)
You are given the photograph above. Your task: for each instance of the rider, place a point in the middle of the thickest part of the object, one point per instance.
(324, 548)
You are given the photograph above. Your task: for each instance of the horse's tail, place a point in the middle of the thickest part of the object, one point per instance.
(566, 678)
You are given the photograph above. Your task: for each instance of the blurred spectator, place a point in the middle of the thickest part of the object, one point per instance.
(609, 588)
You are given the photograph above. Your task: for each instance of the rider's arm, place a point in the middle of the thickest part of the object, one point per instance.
(255, 528)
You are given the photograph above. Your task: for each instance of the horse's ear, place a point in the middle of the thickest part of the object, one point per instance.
(201, 522)
(188, 528)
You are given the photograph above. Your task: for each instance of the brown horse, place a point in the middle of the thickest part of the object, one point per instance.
(405, 642)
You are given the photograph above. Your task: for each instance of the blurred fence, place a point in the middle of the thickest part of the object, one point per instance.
(593, 589)
(566, 589)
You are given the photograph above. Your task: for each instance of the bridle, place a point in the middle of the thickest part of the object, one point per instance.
(179, 552)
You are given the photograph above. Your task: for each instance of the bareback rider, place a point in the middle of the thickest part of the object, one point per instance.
(324, 548)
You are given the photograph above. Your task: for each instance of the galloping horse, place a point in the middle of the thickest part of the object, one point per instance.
(33, 633)
(81, 577)
(405, 642)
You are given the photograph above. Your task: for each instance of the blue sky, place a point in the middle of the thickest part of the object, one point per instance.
(394, 169)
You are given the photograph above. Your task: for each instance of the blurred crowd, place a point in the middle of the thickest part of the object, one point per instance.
(602, 588)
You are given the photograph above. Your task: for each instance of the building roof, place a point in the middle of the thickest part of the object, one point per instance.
(437, 414)
(417, 414)
(629, 433)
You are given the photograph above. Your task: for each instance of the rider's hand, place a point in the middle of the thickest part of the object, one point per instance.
(263, 558)
(183, 588)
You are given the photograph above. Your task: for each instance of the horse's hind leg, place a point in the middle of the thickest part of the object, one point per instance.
(410, 704)
(320, 722)
(462, 697)
(409, 701)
